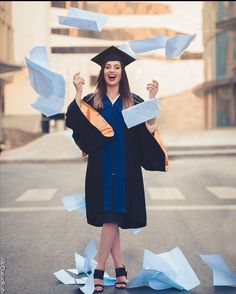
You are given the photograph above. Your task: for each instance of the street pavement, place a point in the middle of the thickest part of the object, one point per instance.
(192, 206)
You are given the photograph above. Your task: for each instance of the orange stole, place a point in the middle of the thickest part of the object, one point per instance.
(101, 124)
(159, 140)
(96, 120)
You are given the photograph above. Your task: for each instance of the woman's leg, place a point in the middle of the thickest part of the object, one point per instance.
(116, 255)
(108, 235)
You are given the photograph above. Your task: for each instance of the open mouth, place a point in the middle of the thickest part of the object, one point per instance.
(112, 77)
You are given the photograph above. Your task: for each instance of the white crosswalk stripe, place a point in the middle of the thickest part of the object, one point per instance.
(37, 195)
(162, 193)
(223, 192)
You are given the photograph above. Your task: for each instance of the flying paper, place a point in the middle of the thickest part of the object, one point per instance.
(149, 44)
(83, 19)
(141, 112)
(127, 49)
(75, 202)
(165, 270)
(222, 276)
(48, 84)
(177, 44)
(174, 46)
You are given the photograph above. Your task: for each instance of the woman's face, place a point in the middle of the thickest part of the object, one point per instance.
(112, 73)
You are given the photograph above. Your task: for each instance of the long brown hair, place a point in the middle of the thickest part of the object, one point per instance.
(101, 89)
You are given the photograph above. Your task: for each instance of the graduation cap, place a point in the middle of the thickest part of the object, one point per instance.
(111, 54)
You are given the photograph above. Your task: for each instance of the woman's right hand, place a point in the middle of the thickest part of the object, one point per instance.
(78, 82)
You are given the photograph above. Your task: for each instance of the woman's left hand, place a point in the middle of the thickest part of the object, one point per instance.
(153, 88)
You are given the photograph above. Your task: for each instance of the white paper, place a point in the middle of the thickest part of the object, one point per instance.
(149, 44)
(136, 231)
(49, 85)
(128, 50)
(141, 112)
(222, 275)
(89, 253)
(67, 279)
(88, 288)
(75, 202)
(83, 19)
(165, 270)
(177, 44)
(39, 56)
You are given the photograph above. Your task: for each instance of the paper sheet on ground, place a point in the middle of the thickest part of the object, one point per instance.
(49, 85)
(222, 275)
(83, 19)
(141, 112)
(165, 270)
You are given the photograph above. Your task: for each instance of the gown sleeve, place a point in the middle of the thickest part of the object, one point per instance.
(85, 134)
(152, 153)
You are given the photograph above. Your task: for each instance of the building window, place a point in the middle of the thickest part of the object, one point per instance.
(221, 55)
(65, 32)
(59, 4)
(222, 10)
(93, 80)
(75, 50)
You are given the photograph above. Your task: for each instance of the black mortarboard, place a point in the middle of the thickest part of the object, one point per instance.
(112, 53)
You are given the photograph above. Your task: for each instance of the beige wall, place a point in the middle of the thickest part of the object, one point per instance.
(19, 95)
(30, 21)
(6, 33)
(209, 31)
(181, 113)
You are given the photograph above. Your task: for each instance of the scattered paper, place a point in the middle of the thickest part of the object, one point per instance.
(141, 112)
(127, 49)
(83, 19)
(149, 44)
(222, 275)
(174, 46)
(48, 84)
(177, 44)
(75, 202)
(67, 279)
(88, 288)
(86, 264)
(165, 270)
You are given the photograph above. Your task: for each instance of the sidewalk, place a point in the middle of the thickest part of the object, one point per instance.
(61, 147)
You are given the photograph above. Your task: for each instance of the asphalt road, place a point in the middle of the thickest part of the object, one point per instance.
(39, 237)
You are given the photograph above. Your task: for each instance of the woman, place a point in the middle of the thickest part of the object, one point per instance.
(114, 185)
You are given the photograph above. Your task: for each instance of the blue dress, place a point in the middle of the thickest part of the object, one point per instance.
(113, 161)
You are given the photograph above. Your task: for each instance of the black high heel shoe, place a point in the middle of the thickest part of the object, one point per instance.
(98, 274)
(121, 271)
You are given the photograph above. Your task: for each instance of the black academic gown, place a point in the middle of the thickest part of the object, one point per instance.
(141, 149)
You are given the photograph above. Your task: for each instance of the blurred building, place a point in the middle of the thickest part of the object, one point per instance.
(7, 64)
(70, 50)
(219, 40)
